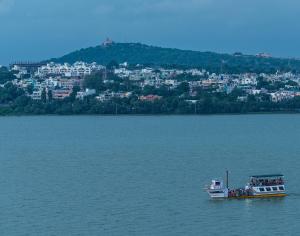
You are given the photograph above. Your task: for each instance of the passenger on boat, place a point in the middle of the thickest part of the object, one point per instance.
(266, 182)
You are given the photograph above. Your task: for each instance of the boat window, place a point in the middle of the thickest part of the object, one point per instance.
(261, 189)
(281, 188)
(217, 183)
(216, 191)
(268, 189)
(274, 188)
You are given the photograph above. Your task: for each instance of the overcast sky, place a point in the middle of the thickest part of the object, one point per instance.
(41, 29)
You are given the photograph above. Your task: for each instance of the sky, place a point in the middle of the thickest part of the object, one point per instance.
(41, 29)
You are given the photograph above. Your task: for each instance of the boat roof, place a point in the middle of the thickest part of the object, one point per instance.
(266, 176)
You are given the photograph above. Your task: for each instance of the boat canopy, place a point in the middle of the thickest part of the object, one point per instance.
(267, 176)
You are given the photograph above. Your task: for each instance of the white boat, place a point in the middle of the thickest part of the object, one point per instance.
(217, 189)
(259, 186)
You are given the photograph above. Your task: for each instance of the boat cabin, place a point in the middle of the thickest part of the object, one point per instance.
(266, 180)
(216, 184)
(217, 190)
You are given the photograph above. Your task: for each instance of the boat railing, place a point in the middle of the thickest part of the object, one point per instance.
(256, 183)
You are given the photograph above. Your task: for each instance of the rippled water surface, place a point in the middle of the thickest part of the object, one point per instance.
(145, 175)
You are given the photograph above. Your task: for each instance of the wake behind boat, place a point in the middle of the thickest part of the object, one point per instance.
(259, 186)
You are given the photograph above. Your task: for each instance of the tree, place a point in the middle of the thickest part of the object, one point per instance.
(94, 82)
(112, 65)
(50, 95)
(22, 101)
(44, 96)
(183, 88)
(73, 95)
(5, 75)
(292, 83)
(30, 89)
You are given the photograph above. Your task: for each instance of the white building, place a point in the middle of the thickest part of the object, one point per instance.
(86, 93)
(67, 70)
(281, 96)
(36, 95)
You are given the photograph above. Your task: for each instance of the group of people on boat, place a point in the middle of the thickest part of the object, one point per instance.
(266, 182)
(239, 192)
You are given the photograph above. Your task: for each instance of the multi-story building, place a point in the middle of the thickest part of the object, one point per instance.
(78, 69)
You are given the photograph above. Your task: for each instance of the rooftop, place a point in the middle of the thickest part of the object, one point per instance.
(266, 176)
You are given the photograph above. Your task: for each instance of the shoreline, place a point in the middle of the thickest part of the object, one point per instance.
(152, 115)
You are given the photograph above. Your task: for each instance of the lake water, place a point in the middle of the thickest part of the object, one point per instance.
(145, 175)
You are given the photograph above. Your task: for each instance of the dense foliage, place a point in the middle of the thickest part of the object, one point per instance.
(5, 75)
(135, 53)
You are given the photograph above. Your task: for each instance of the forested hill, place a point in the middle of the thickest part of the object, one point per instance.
(136, 53)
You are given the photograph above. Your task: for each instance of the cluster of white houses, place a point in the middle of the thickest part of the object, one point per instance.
(78, 69)
(60, 79)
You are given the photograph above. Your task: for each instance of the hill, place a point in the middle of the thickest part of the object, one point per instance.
(136, 53)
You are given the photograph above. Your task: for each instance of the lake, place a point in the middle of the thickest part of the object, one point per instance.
(144, 175)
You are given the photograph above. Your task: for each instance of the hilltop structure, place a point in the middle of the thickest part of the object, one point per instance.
(107, 42)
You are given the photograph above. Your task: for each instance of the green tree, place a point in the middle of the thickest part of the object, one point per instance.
(183, 88)
(6, 75)
(112, 65)
(94, 82)
(73, 95)
(44, 96)
(30, 88)
(50, 95)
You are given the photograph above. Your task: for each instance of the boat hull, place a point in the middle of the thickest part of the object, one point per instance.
(261, 196)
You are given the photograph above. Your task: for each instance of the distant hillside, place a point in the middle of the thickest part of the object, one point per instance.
(136, 53)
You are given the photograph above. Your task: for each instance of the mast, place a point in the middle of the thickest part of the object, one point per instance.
(227, 179)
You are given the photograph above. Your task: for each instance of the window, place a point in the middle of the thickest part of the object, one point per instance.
(275, 188)
(216, 191)
(268, 189)
(217, 183)
(281, 188)
(261, 189)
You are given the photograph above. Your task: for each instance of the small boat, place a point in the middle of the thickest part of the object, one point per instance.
(259, 186)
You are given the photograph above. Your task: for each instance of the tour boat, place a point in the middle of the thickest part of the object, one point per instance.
(259, 186)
